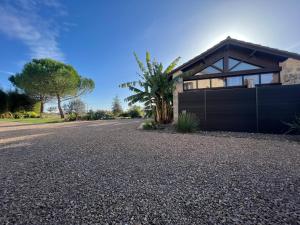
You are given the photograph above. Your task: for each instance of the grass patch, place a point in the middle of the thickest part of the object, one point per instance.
(34, 120)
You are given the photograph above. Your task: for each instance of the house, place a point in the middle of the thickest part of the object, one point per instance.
(240, 86)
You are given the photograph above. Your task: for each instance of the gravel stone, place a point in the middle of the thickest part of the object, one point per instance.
(109, 172)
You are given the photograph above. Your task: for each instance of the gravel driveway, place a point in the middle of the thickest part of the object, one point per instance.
(107, 172)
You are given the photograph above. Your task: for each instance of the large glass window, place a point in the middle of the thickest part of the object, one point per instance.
(234, 81)
(218, 82)
(237, 65)
(232, 62)
(208, 70)
(219, 64)
(189, 85)
(204, 83)
(245, 66)
(251, 80)
(269, 78)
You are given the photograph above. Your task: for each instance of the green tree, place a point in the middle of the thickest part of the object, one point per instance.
(66, 83)
(116, 106)
(19, 102)
(47, 79)
(154, 88)
(34, 80)
(3, 101)
(75, 106)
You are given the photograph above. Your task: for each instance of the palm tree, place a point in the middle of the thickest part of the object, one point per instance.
(154, 88)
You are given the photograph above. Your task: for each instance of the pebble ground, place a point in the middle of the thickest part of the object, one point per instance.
(108, 172)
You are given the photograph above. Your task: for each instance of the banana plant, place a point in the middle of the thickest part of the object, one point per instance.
(154, 89)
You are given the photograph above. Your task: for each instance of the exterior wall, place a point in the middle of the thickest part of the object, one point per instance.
(290, 73)
(178, 89)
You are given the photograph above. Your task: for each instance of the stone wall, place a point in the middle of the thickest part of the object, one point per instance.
(178, 89)
(290, 73)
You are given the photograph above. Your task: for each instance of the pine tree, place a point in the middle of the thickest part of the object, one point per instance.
(116, 106)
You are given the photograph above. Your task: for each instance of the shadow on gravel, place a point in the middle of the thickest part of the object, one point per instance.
(256, 136)
(22, 138)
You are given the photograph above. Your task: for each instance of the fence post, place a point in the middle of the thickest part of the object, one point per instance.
(205, 109)
(256, 106)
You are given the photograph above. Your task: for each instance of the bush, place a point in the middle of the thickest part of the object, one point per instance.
(13, 101)
(294, 126)
(150, 125)
(99, 115)
(104, 115)
(7, 115)
(37, 107)
(135, 112)
(19, 115)
(18, 102)
(3, 102)
(90, 115)
(72, 117)
(124, 114)
(186, 123)
(31, 114)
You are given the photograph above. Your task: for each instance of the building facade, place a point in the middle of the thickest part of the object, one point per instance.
(234, 64)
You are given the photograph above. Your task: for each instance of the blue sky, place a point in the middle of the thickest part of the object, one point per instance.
(99, 37)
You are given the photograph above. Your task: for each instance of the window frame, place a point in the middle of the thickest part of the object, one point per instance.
(230, 87)
(231, 69)
(241, 76)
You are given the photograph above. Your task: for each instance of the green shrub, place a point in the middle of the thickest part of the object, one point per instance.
(186, 123)
(150, 125)
(98, 115)
(294, 126)
(72, 117)
(104, 115)
(18, 102)
(37, 107)
(135, 112)
(31, 114)
(7, 115)
(3, 101)
(19, 115)
(90, 115)
(124, 114)
(13, 101)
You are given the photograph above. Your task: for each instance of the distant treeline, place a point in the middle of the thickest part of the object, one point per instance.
(13, 101)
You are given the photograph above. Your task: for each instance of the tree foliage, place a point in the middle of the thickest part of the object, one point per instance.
(47, 79)
(153, 88)
(3, 101)
(34, 80)
(75, 106)
(13, 101)
(116, 106)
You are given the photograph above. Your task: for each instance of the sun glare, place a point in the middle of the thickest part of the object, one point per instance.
(233, 34)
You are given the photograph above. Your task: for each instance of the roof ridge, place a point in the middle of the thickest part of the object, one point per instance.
(232, 41)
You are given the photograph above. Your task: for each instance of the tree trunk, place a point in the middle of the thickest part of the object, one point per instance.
(42, 109)
(61, 112)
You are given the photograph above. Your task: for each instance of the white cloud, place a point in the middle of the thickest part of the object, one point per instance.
(22, 20)
(6, 72)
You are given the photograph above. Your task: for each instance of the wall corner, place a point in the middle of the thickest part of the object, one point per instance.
(178, 89)
(290, 71)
